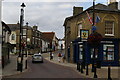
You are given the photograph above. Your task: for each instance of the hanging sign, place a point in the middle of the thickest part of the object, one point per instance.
(84, 34)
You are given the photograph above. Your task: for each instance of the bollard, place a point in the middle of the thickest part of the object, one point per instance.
(81, 67)
(26, 64)
(87, 69)
(20, 67)
(109, 73)
(77, 65)
(95, 70)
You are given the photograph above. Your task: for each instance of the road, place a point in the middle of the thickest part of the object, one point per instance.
(47, 70)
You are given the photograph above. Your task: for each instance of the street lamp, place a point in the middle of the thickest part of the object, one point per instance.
(20, 57)
(94, 40)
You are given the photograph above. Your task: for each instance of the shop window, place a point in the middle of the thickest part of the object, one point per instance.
(80, 51)
(109, 28)
(96, 52)
(108, 53)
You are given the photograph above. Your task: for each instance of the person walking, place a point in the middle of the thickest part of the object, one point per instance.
(50, 55)
(59, 57)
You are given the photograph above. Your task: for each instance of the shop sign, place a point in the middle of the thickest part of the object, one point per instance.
(84, 34)
(106, 42)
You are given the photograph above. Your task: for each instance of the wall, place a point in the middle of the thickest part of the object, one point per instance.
(0, 38)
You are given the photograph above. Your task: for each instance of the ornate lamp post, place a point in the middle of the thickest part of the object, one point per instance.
(20, 57)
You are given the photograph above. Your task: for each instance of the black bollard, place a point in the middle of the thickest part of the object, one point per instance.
(77, 66)
(95, 74)
(87, 69)
(26, 64)
(81, 67)
(20, 67)
(109, 73)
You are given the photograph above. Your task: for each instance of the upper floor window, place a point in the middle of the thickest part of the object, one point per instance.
(13, 37)
(24, 32)
(109, 28)
(79, 27)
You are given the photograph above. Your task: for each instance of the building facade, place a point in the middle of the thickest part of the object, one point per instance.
(78, 25)
(6, 46)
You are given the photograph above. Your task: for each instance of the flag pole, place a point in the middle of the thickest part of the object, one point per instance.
(93, 12)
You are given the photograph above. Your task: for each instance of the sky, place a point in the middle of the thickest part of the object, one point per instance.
(48, 15)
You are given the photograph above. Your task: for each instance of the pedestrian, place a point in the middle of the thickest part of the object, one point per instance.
(50, 55)
(59, 57)
(63, 59)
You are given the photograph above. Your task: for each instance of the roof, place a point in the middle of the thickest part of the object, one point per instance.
(14, 27)
(6, 26)
(48, 36)
(98, 7)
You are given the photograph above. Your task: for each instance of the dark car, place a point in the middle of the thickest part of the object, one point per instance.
(37, 58)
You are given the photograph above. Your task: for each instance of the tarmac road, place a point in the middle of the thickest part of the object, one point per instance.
(47, 70)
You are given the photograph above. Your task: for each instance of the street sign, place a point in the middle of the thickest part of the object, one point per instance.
(84, 34)
(94, 28)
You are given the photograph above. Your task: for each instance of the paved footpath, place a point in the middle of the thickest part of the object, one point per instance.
(101, 72)
(11, 68)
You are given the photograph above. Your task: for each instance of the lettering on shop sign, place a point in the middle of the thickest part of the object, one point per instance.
(106, 42)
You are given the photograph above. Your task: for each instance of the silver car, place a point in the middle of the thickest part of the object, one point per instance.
(37, 58)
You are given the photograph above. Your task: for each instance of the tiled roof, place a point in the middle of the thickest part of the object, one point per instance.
(13, 27)
(48, 36)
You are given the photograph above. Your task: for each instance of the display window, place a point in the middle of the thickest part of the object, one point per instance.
(96, 52)
(108, 53)
(80, 51)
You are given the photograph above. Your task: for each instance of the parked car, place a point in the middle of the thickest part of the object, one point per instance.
(37, 58)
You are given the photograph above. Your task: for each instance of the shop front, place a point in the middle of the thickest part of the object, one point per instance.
(107, 53)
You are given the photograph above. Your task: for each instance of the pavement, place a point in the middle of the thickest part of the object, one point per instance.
(10, 69)
(101, 72)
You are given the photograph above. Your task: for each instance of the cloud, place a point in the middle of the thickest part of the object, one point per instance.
(49, 16)
(47, 0)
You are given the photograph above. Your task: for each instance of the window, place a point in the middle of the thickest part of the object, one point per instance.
(24, 32)
(79, 27)
(108, 53)
(80, 51)
(109, 28)
(96, 52)
(13, 37)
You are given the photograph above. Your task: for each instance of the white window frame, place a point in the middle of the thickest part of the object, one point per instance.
(104, 48)
(79, 27)
(112, 29)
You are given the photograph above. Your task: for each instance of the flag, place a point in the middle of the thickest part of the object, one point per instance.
(97, 19)
(90, 18)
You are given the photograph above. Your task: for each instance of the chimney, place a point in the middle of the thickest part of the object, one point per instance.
(113, 5)
(112, 1)
(35, 27)
(77, 10)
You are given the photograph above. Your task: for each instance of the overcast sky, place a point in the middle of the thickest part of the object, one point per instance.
(49, 15)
